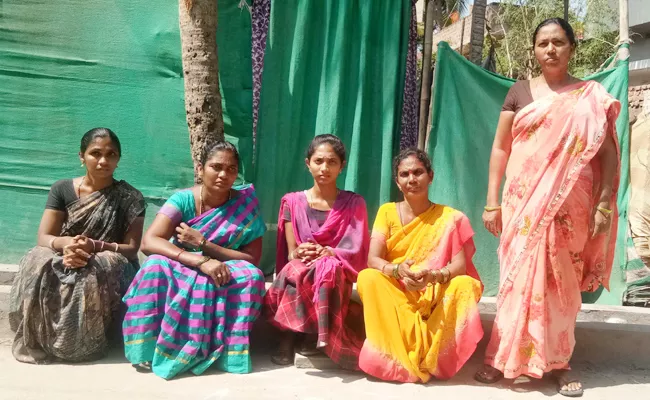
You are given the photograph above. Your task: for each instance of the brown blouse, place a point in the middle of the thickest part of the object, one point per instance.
(519, 96)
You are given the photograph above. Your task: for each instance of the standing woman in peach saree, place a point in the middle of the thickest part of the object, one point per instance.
(556, 143)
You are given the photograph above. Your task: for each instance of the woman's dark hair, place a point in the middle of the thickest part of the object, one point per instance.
(98, 133)
(332, 140)
(208, 152)
(568, 30)
(412, 151)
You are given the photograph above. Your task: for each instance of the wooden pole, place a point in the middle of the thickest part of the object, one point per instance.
(431, 104)
(624, 29)
(462, 37)
(425, 89)
(566, 10)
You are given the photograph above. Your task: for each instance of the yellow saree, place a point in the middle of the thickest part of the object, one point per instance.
(414, 335)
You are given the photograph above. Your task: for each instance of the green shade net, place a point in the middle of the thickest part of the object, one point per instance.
(467, 103)
(331, 66)
(69, 66)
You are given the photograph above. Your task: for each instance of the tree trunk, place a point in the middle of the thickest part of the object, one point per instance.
(198, 26)
(425, 89)
(478, 31)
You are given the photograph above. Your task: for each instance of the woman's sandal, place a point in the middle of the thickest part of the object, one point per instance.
(488, 375)
(282, 357)
(143, 367)
(308, 347)
(309, 351)
(564, 379)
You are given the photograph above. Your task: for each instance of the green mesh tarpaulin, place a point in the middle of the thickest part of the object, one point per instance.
(68, 66)
(331, 66)
(467, 103)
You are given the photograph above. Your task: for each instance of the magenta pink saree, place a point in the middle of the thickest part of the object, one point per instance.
(546, 253)
(315, 299)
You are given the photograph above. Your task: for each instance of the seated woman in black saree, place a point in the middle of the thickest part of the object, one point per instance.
(68, 289)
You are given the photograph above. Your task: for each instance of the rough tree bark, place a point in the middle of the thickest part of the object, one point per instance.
(198, 26)
(431, 11)
(478, 31)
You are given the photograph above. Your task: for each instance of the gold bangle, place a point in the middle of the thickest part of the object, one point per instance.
(434, 275)
(447, 278)
(396, 273)
(383, 268)
(489, 209)
(203, 260)
(203, 242)
(605, 211)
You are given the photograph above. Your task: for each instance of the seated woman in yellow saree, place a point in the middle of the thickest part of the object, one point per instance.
(420, 296)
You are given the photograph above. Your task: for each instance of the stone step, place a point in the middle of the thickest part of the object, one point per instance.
(7, 272)
(605, 317)
(4, 297)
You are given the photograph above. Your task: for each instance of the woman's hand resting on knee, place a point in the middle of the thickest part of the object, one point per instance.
(216, 270)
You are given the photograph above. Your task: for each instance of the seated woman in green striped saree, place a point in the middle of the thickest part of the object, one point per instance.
(193, 303)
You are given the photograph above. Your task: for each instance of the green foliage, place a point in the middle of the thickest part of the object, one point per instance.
(594, 22)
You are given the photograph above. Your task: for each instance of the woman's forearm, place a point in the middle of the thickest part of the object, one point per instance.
(222, 254)
(498, 162)
(157, 245)
(377, 263)
(56, 243)
(608, 162)
(457, 268)
(128, 250)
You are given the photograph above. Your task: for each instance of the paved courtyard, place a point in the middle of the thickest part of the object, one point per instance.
(113, 378)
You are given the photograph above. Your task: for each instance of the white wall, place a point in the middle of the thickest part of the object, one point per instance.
(640, 49)
(639, 12)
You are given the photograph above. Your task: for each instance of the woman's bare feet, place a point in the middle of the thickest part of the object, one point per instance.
(284, 354)
(488, 374)
(568, 383)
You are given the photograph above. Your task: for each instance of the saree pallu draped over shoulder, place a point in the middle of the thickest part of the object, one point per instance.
(546, 252)
(178, 320)
(66, 314)
(315, 299)
(413, 336)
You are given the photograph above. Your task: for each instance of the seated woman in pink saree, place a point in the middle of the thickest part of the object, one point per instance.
(557, 144)
(322, 245)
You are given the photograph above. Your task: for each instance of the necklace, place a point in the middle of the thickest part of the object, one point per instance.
(399, 214)
(202, 204)
(79, 187)
(309, 198)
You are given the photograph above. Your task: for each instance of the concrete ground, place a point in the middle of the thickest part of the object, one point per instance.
(612, 356)
(113, 378)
